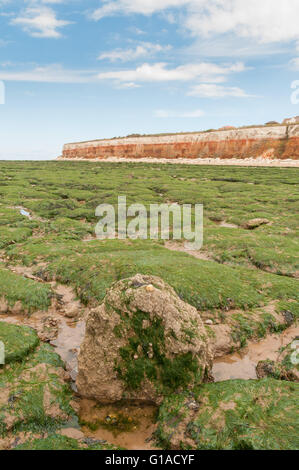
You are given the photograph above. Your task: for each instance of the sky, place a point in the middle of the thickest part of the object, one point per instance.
(74, 70)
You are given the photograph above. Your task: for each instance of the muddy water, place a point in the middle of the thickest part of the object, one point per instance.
(69, 338)
(67, 344)
(130, 427)
(242, 364)
(239, 365)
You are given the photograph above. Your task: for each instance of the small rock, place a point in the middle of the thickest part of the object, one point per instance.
(89, 441)
(16, 442)
(255, 223)
(209, 322)
(288, 317)
(146, 324)
(3, 306)
(150, 288)
(111, 419)
(73, 374)
(150, 352)
(193, 405)
(71, 313)
(72, 433)
(67, 376)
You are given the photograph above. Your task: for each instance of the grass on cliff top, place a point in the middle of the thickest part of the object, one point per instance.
(233, 415)
(166, 134)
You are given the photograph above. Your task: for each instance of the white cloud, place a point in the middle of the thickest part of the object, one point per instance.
(141, 50)
(160, 73)
(40, 21)
(128, 85)
(144, 7)
(266, 21)
(130, 79)
(295, 63)
(228, 46)
(164, 113)
(49, 74)
(210, 90)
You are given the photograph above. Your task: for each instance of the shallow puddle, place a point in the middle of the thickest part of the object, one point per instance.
(67, 344)
(69, 338)
(242, 364)
(130, 427)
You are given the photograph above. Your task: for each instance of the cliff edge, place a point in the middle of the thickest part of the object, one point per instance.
(276, 142)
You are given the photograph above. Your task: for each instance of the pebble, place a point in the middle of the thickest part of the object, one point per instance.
(150, 288)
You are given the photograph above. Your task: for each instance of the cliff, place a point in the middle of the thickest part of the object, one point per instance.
(278, 142)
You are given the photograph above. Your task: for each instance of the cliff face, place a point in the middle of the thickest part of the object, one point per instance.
(281, 142)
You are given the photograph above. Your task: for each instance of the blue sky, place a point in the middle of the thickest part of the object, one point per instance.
(77, 70)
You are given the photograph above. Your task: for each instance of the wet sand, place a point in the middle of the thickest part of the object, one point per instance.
(251, 162)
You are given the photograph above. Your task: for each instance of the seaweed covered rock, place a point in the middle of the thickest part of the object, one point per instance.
(34, 396)
(142, 343)
(232, 415)
(18, 341)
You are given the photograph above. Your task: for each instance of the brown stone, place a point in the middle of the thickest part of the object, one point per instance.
(255, 223)
(109, 331)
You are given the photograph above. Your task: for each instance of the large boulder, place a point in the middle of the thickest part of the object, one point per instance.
(142, 343)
